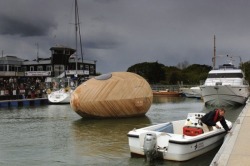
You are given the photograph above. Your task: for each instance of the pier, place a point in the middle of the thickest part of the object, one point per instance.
(235, 149)
(23, 102)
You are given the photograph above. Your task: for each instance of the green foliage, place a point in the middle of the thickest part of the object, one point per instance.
(153, 72)
(246, 69)
(156, 73)
(196, 73)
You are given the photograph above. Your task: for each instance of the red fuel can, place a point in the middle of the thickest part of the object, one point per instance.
(192, 131)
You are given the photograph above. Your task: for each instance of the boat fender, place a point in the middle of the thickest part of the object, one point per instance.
(66, 89)
(48, 91)
(149, 146)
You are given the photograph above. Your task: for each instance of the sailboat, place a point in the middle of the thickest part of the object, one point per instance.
(65, 87)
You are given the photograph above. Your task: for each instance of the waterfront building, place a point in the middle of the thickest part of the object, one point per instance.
(20, 74)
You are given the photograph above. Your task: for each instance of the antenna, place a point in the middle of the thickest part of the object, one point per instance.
(37, 53)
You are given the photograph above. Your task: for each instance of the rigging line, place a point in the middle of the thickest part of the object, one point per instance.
(80, 38)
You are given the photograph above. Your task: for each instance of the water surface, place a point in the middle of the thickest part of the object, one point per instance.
(55, 135)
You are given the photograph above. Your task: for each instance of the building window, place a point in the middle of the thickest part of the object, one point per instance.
(24, 68)
(67, 52)
(48, 68)
(59, 68)
(31, 68)
(86, 67)
(39, 68)
(3, 68)
(81, 67)
(92, 70)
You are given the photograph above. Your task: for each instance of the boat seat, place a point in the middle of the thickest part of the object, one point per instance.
(193, 120)
(168, 128)
(205, 128)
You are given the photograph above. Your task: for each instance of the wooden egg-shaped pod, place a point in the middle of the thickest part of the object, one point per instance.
(117, 94)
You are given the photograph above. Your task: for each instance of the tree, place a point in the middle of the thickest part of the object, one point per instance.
(153, 72)
(246, 68)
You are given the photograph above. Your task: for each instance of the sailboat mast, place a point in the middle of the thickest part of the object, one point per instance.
(214, 59)
(76, 31)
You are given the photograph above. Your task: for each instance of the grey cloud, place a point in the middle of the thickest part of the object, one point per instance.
(120, 33)
(25, 27)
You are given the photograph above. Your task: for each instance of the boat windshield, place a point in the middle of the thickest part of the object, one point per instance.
(225, 75)
(104, 76)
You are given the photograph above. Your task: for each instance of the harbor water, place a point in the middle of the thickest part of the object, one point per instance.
(54, 135)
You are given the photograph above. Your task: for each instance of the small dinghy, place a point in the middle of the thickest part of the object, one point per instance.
(177, 140)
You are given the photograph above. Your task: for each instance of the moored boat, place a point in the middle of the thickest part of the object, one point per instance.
(177, 140)
(225, 86)
(61, 90)
(166, 93)
(61, 96)
(193, 92)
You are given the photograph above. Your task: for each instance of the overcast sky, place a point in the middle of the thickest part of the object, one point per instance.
(120, 33)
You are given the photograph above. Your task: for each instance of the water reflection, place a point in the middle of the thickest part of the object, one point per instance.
(105, 138)
(176, 108)
(54, 134)
(164, 99)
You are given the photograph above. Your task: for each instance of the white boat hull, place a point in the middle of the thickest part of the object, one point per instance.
(225, 95)
(225, 86)
(193, 92)
(174, 145)
(60, 96)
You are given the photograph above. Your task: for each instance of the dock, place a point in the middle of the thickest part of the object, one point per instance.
(23, 102)
(235, 148)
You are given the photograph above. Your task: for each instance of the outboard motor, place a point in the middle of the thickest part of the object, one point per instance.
(149, 146)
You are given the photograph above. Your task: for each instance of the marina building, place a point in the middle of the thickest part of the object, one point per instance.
(62, 63)
(18, 76)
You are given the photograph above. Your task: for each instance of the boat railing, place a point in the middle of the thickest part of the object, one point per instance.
(171, 88)
(224, 82)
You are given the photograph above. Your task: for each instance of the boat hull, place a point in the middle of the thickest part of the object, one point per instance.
(174, 145)
(193, 92)
(225, 95)
(167, 93)
(60, 97)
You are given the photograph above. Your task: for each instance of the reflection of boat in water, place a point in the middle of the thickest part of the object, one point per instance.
(177, 140)
(167, 93)
(225, 86)
(104, 137)
(167, 99)
(193, 92)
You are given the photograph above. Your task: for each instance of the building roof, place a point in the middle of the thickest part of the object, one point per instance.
(13, 60)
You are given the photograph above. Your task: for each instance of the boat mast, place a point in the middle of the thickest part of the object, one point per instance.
(214, 59)
(76, 29)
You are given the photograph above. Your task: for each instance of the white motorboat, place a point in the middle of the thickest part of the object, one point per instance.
(225, 86)
(61, 95)
(193, 92)
(177, 140)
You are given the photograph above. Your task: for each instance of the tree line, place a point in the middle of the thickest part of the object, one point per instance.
(195, 74)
